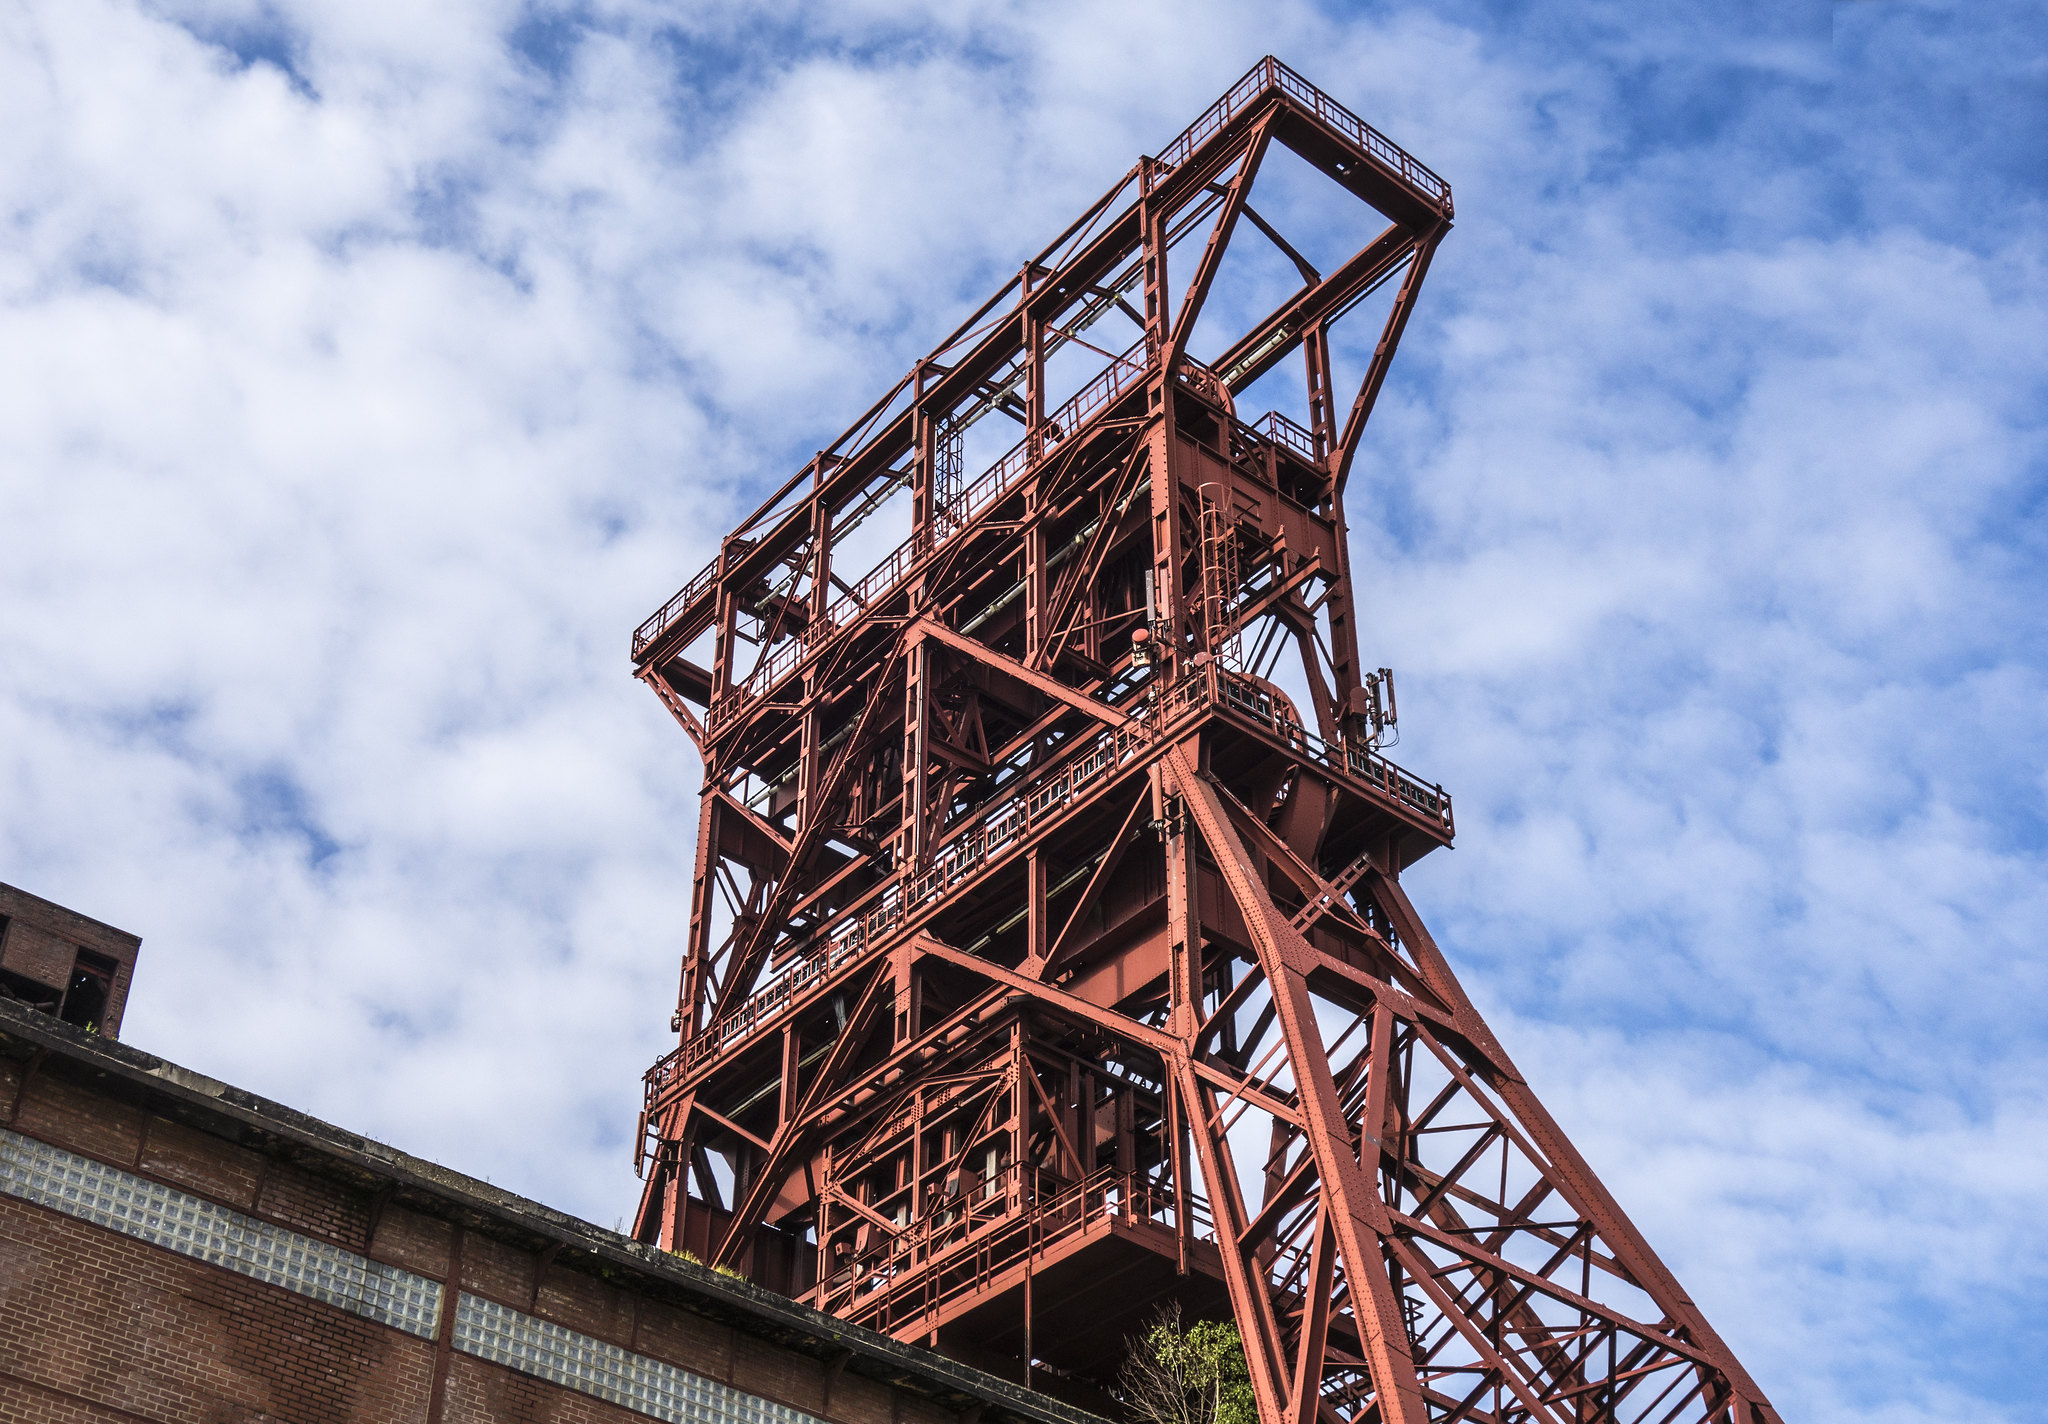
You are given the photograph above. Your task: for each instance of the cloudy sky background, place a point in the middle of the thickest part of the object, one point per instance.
(368, 370)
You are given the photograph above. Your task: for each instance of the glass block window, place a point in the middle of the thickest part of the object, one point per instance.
(576, 1361)
(191, 1226)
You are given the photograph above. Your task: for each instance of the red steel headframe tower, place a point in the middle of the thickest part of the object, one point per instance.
(1048, 963)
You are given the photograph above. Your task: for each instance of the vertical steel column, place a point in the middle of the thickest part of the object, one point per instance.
(694, 992)
(923, 458)
(916, 750)
(1322, 418)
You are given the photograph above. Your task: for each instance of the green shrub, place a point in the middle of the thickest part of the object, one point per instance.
(1193, 1374)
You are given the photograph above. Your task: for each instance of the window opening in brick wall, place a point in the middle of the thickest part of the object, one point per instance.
(28, 991)
(92, 984)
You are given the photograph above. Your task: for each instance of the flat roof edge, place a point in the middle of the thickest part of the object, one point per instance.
(246, 1119)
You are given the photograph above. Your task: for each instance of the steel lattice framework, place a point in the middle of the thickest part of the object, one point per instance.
(1046, 964)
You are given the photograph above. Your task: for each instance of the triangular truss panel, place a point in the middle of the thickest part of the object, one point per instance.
(1048, 963)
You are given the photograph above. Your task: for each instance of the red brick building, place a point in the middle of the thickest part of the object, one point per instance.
(64, 963)
(172, 1248)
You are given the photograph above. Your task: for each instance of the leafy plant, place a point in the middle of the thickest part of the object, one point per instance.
(694, 1259)
(1187, 1374)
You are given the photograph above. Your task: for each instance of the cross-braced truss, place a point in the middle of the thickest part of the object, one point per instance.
(1046, 964)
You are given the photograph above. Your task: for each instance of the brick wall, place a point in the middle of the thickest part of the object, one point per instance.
(96, 1325)
(34, 952)
(40, 940)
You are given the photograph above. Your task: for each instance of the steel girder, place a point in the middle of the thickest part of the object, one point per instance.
(1037, 941)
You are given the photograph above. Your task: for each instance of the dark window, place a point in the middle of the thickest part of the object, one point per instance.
(92, 984)
(25, 989)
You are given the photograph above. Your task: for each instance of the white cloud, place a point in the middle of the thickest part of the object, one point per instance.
(351, 416)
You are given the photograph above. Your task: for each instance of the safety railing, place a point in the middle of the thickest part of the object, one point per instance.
(990, 836)
(948, 1223)
(1123, 372)
(981, 843)
(880, 583)
(1236, 99)
(1242, 695)
(663, 617)
(958, 1248)
(1205, 383)
(765, 1004)
(964, 1243)
(1270, 73)
(1282, 431)
(1413, 172)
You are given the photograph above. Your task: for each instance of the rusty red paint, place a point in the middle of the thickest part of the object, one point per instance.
(1046, 963)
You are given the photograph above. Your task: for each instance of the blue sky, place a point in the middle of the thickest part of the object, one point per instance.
(367, 371)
